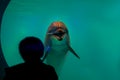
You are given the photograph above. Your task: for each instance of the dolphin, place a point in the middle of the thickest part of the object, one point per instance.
(57, 44)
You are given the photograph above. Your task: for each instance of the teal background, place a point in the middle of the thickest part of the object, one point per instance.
(94, 28)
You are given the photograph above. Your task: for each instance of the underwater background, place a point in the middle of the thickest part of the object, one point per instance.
(94, 28)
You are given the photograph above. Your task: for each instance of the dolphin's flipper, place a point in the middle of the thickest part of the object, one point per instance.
(73, 52)
(46, 52)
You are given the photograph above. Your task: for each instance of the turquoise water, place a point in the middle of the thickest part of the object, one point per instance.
(94, 28)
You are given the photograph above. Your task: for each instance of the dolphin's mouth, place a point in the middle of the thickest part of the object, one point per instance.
(59, 35)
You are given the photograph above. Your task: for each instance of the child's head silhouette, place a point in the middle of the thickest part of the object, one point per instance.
(31, 49)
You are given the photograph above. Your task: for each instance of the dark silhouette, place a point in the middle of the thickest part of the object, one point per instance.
(3, 63)
(31, 50)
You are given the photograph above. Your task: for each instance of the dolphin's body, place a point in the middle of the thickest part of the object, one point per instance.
(57, 44)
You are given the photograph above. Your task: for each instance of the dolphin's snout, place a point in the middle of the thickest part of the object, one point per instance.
(59, 34)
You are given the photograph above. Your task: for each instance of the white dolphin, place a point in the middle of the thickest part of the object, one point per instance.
(57, 44)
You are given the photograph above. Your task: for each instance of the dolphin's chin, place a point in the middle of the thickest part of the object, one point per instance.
(59, 38)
